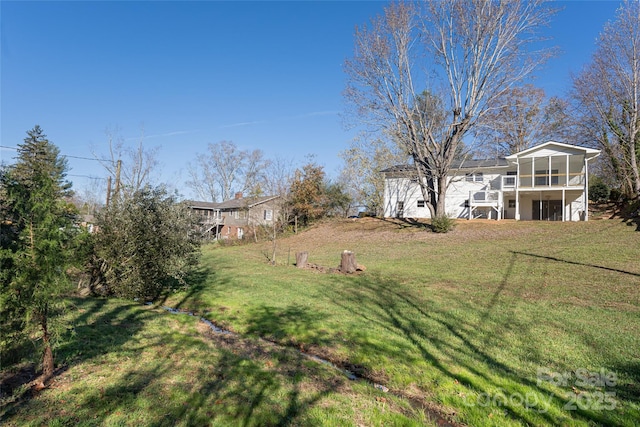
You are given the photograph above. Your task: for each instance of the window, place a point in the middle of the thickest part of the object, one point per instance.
(542, 177)
(512, 204)
(267, 215)
(421, 204)
(474, 177)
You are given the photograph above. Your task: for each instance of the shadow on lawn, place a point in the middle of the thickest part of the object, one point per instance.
(198, 282)
(279, 324)
(550, 258)
(458, 348)
(407, 223)
(234, 388)
(234, 382)
(92, 332)
(239, 389)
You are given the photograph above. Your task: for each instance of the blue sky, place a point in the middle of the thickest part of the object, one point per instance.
(266, 75)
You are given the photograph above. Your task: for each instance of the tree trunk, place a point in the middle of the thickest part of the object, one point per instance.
(442, 192)
(301, 259)
(273, 258)
(47, 355)
(348, 262)
(47, 361)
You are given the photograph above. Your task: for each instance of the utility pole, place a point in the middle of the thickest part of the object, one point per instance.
(118, 168)
(108, 190)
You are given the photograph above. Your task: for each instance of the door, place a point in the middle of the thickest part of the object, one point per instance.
(547, 210)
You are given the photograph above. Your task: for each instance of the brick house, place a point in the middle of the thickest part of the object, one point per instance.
(233, 218)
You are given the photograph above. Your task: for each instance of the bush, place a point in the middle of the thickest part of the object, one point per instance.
(145, 244)
(598, 191)
(442, 224)
(615, 195)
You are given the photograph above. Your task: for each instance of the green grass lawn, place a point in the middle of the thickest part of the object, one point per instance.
(493, 324)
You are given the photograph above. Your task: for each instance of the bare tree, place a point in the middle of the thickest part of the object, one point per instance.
(130, 166)
(364, 159)
(607, 93)
(521, 117)
(225, 170)
(278, 175)
(453, 56)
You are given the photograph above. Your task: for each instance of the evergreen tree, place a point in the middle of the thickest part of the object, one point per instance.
(36, 238)
(145, 244)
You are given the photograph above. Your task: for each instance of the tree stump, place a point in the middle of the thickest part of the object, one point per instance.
(348, 262)
(301, 259)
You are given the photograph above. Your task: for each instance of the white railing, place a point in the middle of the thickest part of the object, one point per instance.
(508, 181)
(487, 197)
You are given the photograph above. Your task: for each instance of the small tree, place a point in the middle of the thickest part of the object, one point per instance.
(145, 244)
(37, 236)
(337, 200)
(364, 160)
(307, 194)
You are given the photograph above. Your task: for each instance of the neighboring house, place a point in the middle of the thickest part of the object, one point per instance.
(233, 218)
(547, 182)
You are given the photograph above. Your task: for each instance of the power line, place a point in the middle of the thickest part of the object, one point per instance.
(86, 176)
(65, 155)
(83, 158)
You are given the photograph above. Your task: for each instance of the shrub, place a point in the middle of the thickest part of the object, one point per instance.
(598, 191)
(442, 224)
(145, 244)
(615, 195)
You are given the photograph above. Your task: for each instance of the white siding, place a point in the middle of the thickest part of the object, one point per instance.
(552, 158)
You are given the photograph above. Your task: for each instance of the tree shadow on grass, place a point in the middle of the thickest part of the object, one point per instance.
(280, 324)
(453, 344)
(628, 386)
(197, 282)
(240, 390)
(634, 222)
(403, 223)
(93, 331)
(566, 261)
(170, 374)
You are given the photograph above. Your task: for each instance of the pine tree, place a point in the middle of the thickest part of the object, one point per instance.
(36, 243)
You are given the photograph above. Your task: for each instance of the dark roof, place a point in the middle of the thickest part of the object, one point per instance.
(456, 165)
(399, 169)
(482, 163)
(239, 203)
(201, 205)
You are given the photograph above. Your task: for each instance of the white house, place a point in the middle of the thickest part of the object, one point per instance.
(547, 182)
